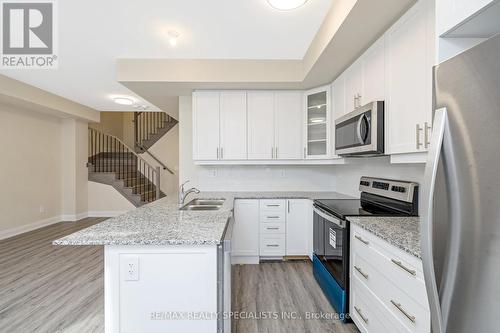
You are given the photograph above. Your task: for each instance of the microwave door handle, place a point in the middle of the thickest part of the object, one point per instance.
(358, 126)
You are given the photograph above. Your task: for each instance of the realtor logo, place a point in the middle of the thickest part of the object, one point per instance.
(28, 31)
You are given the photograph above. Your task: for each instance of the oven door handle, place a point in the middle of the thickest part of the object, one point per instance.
(328, 217)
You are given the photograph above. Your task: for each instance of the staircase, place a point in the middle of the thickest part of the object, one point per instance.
(149, 127)
(112, 162)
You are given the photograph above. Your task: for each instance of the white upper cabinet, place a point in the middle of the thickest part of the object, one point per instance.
(233, 125)
(317, 123)
(260, 125)
(206, 125)
(288, 141)
(409, 60)
(373, 69)
(363, 82)
(338, 96)
(353, 77)
(219, 125)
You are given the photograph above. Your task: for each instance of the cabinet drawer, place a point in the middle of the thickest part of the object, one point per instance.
(272, 206)
(388, 262)
(272, 245)
(413, 315)
(272, 228)
(275, 217)
(367, 311)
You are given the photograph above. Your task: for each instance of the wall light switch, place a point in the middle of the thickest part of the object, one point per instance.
(130, 269)
(42, 209)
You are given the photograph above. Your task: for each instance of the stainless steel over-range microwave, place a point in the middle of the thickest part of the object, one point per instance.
(361, 132)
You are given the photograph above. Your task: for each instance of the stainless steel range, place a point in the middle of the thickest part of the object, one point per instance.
(379, 197)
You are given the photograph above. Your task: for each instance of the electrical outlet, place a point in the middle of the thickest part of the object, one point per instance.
(131, 269)
(213, 172)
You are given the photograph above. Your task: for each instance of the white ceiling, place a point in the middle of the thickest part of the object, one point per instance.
(93, 34)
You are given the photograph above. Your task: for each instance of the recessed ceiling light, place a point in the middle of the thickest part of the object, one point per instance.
(286, 4)
(123, 100)
(172, 37)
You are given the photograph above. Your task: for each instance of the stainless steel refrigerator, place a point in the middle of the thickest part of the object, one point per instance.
(461, 194)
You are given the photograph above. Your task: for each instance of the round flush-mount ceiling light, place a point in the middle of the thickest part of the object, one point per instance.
(286, 4)
(123, 100)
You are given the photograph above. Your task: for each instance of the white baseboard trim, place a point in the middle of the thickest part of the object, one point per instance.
(245, 260)
(56, 219)
(106, 213)
(74, 217)
(29, 227)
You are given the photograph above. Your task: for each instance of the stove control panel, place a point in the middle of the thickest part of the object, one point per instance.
(395, 189)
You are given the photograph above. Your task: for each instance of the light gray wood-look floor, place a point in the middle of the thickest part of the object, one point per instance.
(46, 288)
(279, 287)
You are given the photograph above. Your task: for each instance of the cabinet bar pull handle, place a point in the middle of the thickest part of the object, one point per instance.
(417, 133)
(403, 311)
(276, 152)
(360, 313)
(361, 272)
(362, 240)
(273, 217)
(288, 204)
(273, 228)
(305, 152)
(222, 153)
(400, 264)
(272, 245)
(217, 152)
(427, 129)
(272, 205)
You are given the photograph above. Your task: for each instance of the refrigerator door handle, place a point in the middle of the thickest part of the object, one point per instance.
(440, 120)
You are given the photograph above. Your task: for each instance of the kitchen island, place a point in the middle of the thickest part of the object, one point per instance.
(168, 270)
(164, 267)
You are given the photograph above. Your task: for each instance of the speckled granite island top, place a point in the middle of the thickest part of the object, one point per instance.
(402, 232)
(162, 223)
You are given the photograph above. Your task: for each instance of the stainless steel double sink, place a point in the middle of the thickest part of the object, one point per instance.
(204, 204)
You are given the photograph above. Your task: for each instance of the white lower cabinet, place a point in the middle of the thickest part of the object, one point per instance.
(245, 237)
(298, 221)
(387, 287)
(271, 229)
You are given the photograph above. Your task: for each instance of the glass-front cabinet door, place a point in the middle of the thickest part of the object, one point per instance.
(317, 120)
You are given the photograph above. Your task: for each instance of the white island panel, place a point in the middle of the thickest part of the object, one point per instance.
(176, 289)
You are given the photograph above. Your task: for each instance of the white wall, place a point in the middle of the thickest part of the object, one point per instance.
(166, 149)
(30, 169)
(340, 178)
(74, 172)
(104, 200)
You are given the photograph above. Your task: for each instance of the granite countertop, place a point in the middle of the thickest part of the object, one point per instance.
(402, 232)
(162, 223)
